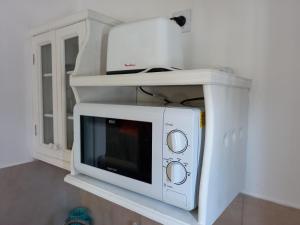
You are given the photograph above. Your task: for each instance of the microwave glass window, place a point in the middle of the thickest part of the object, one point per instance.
(119, 146)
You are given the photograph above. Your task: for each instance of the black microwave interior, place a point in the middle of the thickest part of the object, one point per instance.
(120, 146)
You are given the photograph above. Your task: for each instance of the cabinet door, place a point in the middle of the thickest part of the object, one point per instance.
(45, 93)
(68, 41)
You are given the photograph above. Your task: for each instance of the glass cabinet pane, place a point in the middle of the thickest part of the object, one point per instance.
(47, 104)
(71, 52)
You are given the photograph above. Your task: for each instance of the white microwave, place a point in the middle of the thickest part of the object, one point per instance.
(151, 150)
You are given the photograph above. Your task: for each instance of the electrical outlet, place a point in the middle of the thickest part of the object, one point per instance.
(188, 16)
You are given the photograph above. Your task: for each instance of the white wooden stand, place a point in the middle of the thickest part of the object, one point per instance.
(223, 169)
(226, 106)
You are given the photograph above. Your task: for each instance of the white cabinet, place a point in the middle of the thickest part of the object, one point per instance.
(56, 47)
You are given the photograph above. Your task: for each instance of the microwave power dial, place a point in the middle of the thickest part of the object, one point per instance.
(176, 172)
(177, 141)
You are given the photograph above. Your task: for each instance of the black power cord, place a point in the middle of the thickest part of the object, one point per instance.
(155, 95)
(168, 101)
(180, 20)
(191, 100)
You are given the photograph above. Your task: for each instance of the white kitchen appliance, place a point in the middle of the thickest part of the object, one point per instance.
(152, 150)
(152, 45)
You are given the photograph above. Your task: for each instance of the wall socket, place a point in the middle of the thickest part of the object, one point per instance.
(188, 16)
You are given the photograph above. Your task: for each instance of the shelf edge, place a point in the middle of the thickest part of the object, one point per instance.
(181, 77)
(80, 182)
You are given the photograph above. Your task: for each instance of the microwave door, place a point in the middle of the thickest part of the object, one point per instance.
(122, 145)
(93, 138)
(119, 146)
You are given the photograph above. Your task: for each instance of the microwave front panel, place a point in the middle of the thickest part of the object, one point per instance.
(109, 145)
(120, 146)
(182, 150)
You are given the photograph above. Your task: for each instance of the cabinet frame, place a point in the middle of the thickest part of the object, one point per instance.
(62, 34)
(38, 42)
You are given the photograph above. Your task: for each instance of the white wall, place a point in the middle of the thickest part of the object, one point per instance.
(135, 9)
(260, 39)
(131, 10)
(17, 17)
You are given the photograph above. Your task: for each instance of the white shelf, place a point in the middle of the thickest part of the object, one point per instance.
(148, 207)
(179, 77)
(70, 117)
(70, 72)
(47, 75)
(48, 115)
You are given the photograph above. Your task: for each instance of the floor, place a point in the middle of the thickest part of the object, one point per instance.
(246, 210)
(35, 194)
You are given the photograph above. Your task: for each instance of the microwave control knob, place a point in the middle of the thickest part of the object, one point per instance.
(177, 141)
(176, 173)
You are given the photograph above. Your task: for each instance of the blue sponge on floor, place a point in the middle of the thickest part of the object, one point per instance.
(79, 216)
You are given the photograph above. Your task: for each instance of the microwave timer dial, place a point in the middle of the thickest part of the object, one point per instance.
(176, 172)
(177, 141)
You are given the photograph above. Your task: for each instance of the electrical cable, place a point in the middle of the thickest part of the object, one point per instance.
(168, 101)
(155, 95)
(191, 100)
(146, 92)
(180, 20)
